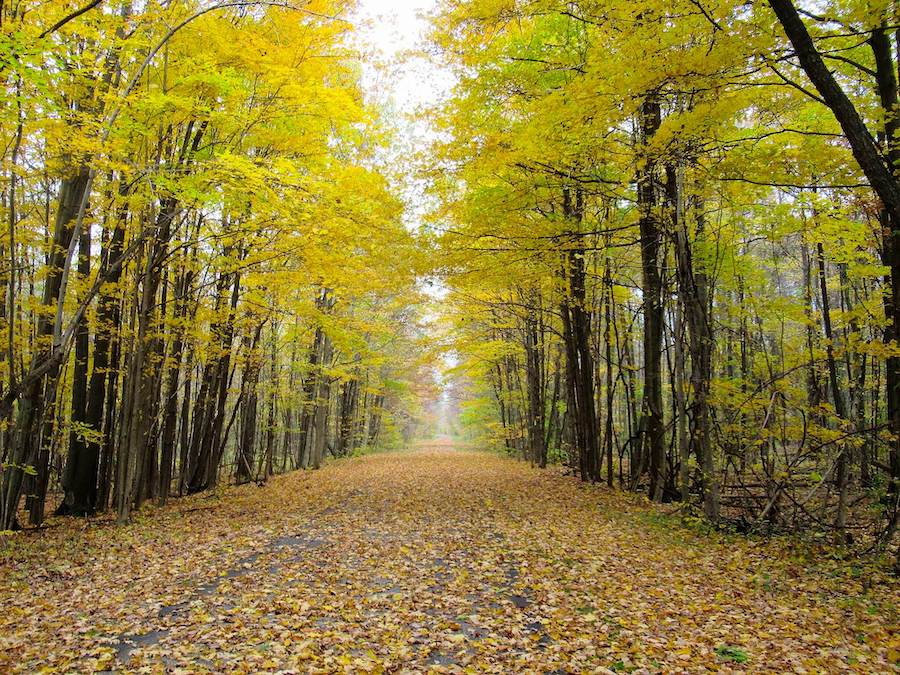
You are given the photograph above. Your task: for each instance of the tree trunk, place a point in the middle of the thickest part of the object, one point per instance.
(80, 484)
(534, 388)
(349, 402)
(577, 337)
(651, 238)
(610, 393)
(27, 440)
(246, 453)
(837, 396)
(693, 294)
(170, 408)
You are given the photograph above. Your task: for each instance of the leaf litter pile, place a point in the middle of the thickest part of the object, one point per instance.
(434, 560)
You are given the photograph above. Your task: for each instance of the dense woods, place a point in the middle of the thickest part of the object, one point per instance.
(206, 277)
(617, 284)
(669, 232)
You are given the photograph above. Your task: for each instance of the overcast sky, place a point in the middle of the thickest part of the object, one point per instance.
(390, 30)
(399, 78)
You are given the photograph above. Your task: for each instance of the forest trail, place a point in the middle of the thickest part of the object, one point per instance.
(437, 559)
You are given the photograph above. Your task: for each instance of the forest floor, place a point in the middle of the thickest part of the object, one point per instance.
(436, 559)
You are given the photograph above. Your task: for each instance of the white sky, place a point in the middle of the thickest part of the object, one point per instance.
(390, 30)
(400, 78)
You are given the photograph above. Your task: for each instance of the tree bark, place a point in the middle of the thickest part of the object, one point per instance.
(170, 406)
(80, 484)
(577, 338)
(246, 454)
(27, 441)
(651, 238)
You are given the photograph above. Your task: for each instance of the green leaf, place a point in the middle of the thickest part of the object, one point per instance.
(731, 653)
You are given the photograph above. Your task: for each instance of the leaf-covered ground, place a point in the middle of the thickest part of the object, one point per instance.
(438, 560)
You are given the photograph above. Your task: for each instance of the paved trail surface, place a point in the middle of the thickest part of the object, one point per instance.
(434, 560)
